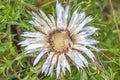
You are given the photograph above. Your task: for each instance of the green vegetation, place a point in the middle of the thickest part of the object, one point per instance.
(14, 17)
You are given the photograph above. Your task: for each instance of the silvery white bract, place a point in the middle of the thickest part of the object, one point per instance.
(60, 39)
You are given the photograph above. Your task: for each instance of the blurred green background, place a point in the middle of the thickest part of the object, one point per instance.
(14, 17)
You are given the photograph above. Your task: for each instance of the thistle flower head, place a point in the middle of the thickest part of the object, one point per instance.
(60, 39)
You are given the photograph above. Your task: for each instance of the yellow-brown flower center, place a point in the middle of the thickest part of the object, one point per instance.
(59, 41)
